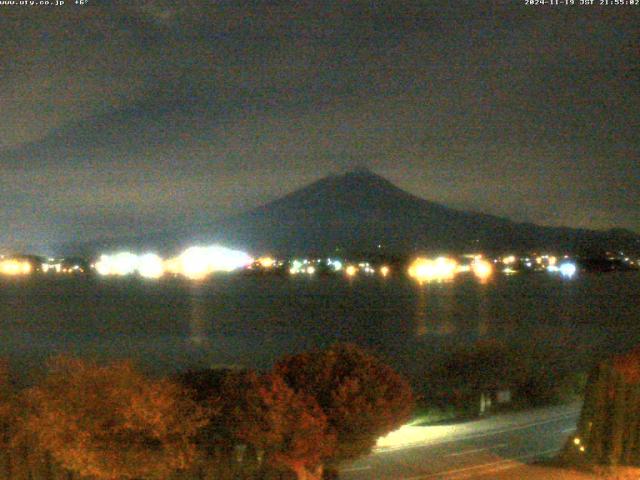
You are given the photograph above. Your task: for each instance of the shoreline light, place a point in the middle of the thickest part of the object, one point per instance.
(427, 270)
(15, 267)
(266, 262)
(198, 262)
(194, 263)
(567, 269)
(150, 265)
(482, 269)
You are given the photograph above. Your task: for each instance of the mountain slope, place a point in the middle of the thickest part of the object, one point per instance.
(359, 211)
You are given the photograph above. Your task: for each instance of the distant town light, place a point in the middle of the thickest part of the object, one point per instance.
(351, 271)
(194, 263)
(150, 265)
(384, 271)
(482, 269)
(568, 269)
(336, 264)
(426, 270)
(509, 259)
(122, 263)
(198, 262)
(266, 262)
(296, 267)
(15, 267)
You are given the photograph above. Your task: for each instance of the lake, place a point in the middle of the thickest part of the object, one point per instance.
(172, 324)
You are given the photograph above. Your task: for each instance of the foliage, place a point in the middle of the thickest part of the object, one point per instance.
(288, 428)
(7, 408)
(608, 431)
(111, 422)
(362, 397)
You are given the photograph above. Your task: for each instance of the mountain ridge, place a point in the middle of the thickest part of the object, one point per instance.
(360, 211)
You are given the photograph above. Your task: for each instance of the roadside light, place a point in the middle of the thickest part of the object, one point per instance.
(576, 441)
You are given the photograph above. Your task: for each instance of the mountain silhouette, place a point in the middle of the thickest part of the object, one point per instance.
(360, 212)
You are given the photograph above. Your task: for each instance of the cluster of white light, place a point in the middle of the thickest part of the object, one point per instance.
(121, 263)
(302, 266)
(150, 265)
(59, 268)
(198, 262)
(568, 269)
(335, 264)
(366, 267)
(194, 263)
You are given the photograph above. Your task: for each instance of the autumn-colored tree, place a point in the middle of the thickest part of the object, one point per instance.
(288, 429)
(111, 422)
(6, 405)
(362, 397)
(7, 418)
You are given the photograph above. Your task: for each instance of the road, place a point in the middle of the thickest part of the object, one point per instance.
(502, 446)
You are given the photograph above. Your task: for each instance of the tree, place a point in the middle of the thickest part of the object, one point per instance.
(609, 426)
(111, 422)
(362, 397)
(7, 417)
(288, 428)
(6, 405)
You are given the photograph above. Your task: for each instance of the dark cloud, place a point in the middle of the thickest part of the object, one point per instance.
(122, 118)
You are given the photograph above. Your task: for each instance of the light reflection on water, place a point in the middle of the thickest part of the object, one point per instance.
(252, 321)
(198, 335)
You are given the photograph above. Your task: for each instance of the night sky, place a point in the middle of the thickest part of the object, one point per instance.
(117, 121)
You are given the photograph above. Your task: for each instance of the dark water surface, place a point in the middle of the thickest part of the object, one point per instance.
(251, 321)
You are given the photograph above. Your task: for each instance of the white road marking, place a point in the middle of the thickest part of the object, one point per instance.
(567, 430)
